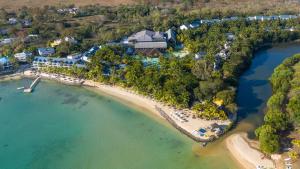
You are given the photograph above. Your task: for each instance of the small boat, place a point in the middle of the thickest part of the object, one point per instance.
(20, 88)
(28, 90)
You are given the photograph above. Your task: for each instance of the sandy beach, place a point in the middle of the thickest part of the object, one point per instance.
(127, 95)
(152, 105)
(189, 127)
(248, 157)
(14, 76)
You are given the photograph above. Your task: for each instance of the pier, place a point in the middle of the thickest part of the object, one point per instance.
(32, 86)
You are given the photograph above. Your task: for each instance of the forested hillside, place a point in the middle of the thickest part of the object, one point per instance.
(243, 6)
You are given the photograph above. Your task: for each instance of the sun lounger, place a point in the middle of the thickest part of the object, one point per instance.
(287, 149)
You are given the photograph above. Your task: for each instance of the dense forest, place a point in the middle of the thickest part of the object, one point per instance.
(282, 118)
(100, 24)
(186, 82)
(181, 82)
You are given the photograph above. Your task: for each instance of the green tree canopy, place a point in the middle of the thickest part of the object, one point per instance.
(268, 139)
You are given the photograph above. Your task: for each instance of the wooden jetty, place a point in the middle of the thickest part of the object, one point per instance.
(32, 86)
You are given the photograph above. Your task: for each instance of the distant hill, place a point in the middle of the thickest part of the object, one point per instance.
(15, 4)
(244, 6)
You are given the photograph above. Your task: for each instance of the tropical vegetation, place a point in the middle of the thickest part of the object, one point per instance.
(183, 82)
(283, 109)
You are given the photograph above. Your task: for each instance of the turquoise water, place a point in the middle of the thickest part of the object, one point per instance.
(63, 127)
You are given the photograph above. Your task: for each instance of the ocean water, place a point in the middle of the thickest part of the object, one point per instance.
(64, 127)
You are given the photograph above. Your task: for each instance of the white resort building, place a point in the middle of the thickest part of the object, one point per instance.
(7, 41)
(40, 62)
(22, 57)
(46, 51)
(86, 56)
(74, 56)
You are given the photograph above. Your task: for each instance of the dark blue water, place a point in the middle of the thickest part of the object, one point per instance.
(253, 92)
(254, 87)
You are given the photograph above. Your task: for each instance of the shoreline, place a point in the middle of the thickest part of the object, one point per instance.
(189, 127)
(247, 156)
(156, 108)
(13, 76)
(145, 103)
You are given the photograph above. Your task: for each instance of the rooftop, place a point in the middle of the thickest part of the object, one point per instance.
(46, 51)
(4, 60)
(50, 59)
(147, 36)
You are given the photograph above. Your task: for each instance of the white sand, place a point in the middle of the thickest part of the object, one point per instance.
(247, 156)
(148, 104)
(10, 77)
(60, 78)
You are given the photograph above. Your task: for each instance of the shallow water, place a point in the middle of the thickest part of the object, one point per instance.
(63, 127)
